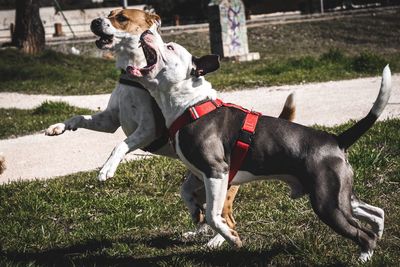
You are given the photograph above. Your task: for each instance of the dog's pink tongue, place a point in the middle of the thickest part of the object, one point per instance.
(134, 71)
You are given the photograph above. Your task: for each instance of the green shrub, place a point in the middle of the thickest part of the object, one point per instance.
(56, 108)
(368, 62)
(55, 73)
(306, 63)
(17, 122)
(334, 55)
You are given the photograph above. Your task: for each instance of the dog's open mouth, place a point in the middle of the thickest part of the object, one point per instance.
(150, 55)
(104, 41)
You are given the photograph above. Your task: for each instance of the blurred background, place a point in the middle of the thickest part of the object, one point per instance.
(195, 11)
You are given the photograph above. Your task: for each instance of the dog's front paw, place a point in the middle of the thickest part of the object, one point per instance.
(216, 242)
(105, 175)
(55, 129)
(106, 172)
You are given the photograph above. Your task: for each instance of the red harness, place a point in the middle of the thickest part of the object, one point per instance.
(242, 144)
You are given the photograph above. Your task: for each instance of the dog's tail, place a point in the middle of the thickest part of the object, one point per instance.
(289, 109)
(351, 135)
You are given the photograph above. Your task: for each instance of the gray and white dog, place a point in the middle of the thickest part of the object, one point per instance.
(312, 162)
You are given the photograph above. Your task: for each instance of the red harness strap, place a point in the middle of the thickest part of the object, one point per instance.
(242, 144)
(192, 114)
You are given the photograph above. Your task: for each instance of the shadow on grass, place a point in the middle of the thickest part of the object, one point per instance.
(91, 253)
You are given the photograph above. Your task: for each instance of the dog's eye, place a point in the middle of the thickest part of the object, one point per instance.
(170, 47)
(122, 18)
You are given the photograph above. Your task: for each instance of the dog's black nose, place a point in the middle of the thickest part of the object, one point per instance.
(95, 25)
(144, 34)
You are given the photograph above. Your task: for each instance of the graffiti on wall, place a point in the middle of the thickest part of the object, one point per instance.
(233, 26)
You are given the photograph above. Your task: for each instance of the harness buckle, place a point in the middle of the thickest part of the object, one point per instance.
(217, 103)
(193, 113)
(245, 137)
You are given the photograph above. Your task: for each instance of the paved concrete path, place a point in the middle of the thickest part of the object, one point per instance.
(40, 156)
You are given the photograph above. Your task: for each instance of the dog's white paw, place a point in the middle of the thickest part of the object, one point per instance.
(102, 177)
(55, 129)
(365, 256)
(106, 172)
(111, 165)
(215, 242)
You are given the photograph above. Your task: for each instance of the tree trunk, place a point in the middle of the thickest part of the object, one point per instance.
(29, 31)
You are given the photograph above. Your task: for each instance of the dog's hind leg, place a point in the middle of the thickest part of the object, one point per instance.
(331, 201)
(227, 211)
(374, 216)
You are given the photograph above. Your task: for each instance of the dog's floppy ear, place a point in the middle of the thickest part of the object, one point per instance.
(153, 18)
(204, 65)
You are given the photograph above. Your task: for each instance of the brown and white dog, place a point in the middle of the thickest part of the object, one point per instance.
(312, 162)
(132, 108)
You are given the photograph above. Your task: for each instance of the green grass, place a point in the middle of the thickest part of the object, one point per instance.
(332, 65)
(43, 76)
(290, 53)
(17, 122)
(137, 217)
(55, 73)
